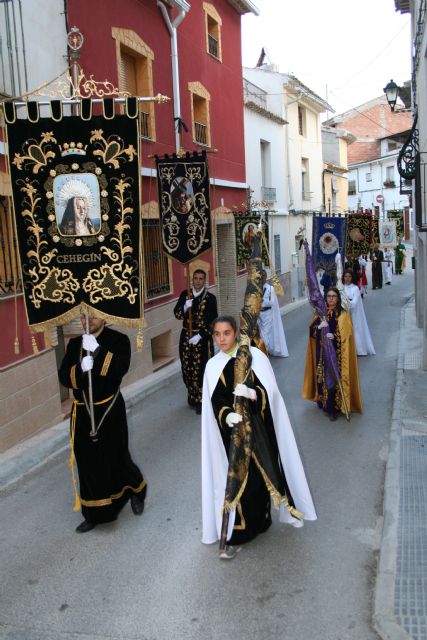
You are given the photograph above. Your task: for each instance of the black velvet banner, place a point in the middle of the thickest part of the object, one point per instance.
(76, 200)
(183, 185)
(359, 234)
(246, 227)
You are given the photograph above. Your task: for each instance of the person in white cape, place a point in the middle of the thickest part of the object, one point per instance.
(275, 470)
(388, 265)
(270, 321)
(362, 335)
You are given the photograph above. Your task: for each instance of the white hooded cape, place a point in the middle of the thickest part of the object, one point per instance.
(271, 325)
(214, 457)
(362, 335)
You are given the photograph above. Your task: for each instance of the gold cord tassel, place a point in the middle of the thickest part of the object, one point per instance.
(77, 503)
(16, 346)
(139, 340)
(34, 343)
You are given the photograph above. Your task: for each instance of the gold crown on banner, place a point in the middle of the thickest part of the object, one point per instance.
(73, 148)
(329, 225)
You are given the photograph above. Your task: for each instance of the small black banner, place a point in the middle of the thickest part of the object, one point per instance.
(183, 184)
(76, 200)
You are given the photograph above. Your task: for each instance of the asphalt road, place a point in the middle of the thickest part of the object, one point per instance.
(150, 578)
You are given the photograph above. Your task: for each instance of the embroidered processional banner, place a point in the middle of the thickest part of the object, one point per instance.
(375, 232)
(183, 184)
(397, 214)
(329, 238)
(246, 228)
(387, 233)
(76, 202)
(359, 234)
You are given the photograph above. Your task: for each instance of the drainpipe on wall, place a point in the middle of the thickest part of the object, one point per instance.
(172, 28)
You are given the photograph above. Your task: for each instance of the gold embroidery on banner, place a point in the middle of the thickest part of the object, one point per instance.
(112, 150)
(106, 364)
(106, 501)
(36, 154)
(115, 280)
(48, 283)
(221, 414)
(73, 376)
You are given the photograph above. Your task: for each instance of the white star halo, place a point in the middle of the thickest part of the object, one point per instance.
(74, 188)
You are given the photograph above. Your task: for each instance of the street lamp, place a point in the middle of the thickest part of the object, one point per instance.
(391, 91)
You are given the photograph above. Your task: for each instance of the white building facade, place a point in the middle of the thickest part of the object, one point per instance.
(284, 163)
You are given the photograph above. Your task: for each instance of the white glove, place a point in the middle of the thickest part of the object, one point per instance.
(188, 304)
(87, 363)
(90, 343)
(330, 336)
(195, 339)
(233, 418)
(323, 324)
(244, 391)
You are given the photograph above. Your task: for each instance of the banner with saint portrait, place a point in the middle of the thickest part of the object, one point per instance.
(184, 202)
(76, 183)
(387, 233)
(329, 238)
(246, 225)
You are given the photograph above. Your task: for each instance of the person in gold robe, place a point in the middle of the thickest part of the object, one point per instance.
(340, 331)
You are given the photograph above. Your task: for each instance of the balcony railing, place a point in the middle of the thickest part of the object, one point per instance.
(268, 194)
(213, 46)
(201, 133)
(144, 124)
(389, 184)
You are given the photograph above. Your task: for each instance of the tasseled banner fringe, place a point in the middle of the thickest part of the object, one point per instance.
(77, 503)
(34, 343)
(139, 340)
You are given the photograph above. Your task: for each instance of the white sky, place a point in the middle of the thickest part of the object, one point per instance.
(346, 51)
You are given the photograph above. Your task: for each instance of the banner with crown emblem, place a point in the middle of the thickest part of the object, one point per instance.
(76, 186)
(184, 202)
(329, 238)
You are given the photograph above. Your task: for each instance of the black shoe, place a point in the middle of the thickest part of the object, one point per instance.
(199, 409)
(333, 417)
(85, 526)
(137, 503)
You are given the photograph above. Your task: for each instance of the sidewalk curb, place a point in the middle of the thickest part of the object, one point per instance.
(383, 618)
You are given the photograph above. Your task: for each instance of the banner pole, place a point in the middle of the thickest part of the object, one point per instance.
(92, 415)
(190, 314)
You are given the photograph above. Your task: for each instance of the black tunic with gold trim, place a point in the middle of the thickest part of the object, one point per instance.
(107, 474)
(194, 357)
(253, 511)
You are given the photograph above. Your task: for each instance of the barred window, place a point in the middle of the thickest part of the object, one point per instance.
(156, 263)
(8, 252)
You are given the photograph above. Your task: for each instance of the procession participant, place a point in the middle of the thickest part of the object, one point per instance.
(363, 277)
(362, 335)
(270, 321)
(377, 258)
(108, 477)
(344, 397)
(400, 258)
(388, 263)
(275, 468)
(195, 349)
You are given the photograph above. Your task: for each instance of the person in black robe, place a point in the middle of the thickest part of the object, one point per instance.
(108, 477)
(196, 348)
(377, 258)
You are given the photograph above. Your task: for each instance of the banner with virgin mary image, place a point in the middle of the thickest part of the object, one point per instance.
(76, 202)
(387, 233)
(184, 202)
(329, 238)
